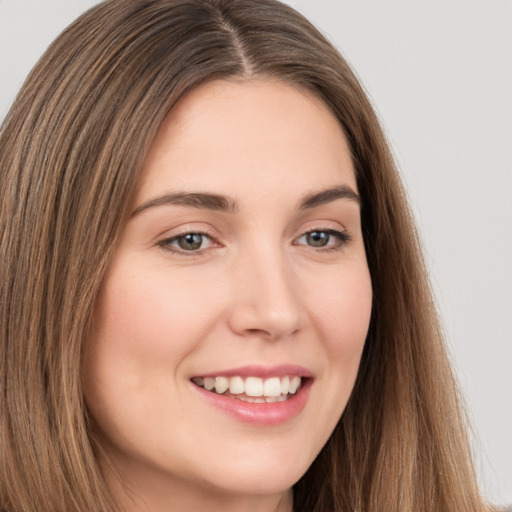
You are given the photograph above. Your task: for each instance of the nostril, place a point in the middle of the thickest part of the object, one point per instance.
(265, 303)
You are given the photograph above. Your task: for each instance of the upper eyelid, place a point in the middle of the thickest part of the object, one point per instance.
(207, 232)
(338, 231)
(165, 245)
(173, 237)
(320, 224)
(186, 229)
(180, 231)
(334, 231)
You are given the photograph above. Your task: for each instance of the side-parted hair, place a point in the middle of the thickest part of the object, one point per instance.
(71, 152)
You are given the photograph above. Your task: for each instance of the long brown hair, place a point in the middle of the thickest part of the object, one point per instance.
(72, 148)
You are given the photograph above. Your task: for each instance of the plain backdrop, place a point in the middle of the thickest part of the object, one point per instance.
(440, 76)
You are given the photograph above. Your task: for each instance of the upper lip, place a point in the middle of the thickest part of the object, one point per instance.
(261, 371)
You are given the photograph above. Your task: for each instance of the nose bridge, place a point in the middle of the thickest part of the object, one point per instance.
(265, 293)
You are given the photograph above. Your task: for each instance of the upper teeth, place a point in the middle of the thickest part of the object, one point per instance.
(251, 386)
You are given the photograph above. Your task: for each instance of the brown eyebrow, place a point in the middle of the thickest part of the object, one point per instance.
(195, 200)
(224, 204)
(326, 196)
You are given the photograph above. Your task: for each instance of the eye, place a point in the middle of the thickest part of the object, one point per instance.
(324, 239)
(187, 242)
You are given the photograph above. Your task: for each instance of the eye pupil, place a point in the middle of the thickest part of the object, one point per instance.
(190, 241)
(318, 238)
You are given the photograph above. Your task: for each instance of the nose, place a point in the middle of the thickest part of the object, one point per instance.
(265, 297)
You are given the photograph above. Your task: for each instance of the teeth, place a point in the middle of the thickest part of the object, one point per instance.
(209, 383)
(252, 389)
(254, 386)
(285, 385)
(294, 385)
(236, 385)
(221, 385)
(272, 387)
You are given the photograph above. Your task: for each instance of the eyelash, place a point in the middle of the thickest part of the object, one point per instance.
(342, 238)
(166, 244)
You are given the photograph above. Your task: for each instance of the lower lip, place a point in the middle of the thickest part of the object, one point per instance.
(271, 413)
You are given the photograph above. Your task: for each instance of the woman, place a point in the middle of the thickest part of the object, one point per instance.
(200, 214)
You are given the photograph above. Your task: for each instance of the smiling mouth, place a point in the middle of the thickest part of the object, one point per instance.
(252, 389)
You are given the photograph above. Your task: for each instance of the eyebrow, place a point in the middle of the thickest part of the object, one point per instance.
(221, 203)
(195, 200)
(328, 195)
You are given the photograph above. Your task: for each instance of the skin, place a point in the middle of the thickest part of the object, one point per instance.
(255, 292)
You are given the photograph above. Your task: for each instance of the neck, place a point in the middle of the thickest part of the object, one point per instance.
(199, 502)
(157, 492)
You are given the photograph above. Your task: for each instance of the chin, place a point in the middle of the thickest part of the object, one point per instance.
(256, 482)
(271, 474)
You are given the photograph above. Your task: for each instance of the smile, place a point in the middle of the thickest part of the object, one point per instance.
(252, 389)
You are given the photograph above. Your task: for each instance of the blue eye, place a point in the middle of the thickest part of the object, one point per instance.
(187, 242)
(324, 238)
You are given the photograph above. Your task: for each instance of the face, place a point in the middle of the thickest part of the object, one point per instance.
(230, 324)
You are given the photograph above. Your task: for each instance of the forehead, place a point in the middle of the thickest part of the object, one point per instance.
(247, 135)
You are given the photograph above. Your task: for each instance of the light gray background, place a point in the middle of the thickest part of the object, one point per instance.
(440, 75)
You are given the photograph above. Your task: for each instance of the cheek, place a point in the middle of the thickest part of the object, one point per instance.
(150, 319)
(342, 313)
(142, 329)
(341, 316)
